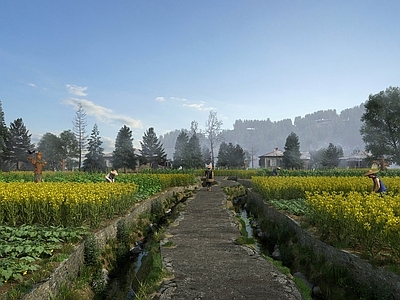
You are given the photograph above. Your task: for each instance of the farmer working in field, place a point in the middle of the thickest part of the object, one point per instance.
(110, 176)
(378, 186)
(275, 172)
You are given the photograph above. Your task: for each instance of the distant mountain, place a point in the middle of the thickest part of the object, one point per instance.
(314, 130)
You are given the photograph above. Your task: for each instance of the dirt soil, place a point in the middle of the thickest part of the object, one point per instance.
(207, 263)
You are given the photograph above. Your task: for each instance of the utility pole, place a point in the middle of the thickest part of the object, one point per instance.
(251, 130)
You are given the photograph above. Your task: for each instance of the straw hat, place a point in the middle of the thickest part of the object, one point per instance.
(114, 172)
(370, 172)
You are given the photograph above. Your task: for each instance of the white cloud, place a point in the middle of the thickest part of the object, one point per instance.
(162, 99)
(177, 99)
(199, 106)
(76, 90)
(32, 84)
(103, 114)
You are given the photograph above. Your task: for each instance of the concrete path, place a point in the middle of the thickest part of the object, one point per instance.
(206, 262)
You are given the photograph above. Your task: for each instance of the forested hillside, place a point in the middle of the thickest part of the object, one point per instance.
(314, 130)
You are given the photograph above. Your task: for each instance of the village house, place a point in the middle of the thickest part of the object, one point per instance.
(274, 159)
(271, 159)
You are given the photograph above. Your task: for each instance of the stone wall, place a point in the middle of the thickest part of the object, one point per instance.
(362, 272)
(69, 269)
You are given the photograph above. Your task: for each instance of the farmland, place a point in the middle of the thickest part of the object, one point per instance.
(41, 221)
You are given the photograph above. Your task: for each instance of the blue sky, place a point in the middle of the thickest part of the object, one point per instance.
(163, 64)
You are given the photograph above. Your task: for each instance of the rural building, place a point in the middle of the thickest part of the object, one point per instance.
(271, 160)
(357, 159)
(274, 159)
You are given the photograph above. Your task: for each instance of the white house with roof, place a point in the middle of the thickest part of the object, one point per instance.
(271, 159)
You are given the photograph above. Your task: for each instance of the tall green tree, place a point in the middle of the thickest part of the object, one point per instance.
(123, 156)
(206, 155)
(152, 151)
(18, 143)
(291, 154)
(239, 157)
(381, 125)
(79, 128)
(316, 157)
(230, 156)
(223, 155)
(69, 148)
(180, 148)
(331, 156)
(50, 146)
(3, 137)
(94, 158)
(193, 158)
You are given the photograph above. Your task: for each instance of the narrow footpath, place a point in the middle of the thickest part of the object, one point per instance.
(207, 263)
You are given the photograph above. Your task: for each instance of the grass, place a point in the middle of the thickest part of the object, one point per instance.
(151, 274)
(304, 289)
(168, 244)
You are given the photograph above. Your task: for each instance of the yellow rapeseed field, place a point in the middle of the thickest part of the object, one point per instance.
(344, 207)
(54, 203)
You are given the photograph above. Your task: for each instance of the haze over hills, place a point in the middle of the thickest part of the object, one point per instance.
(315, 131)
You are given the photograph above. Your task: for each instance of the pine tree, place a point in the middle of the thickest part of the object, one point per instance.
(18, 143)
(94, 158)
(206, 155)
(291, 156)
(152, 150)
(124, 153)
(180, 148)
(193, 159)
(230, 156)
(79, 128)
(239, 157)
(223, 159)
(331, 156)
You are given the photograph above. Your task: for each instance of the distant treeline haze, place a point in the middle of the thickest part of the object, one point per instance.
(315, 131)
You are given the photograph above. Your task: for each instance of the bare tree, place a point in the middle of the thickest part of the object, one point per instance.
(193, 127)
(213, 130)
(79, 128)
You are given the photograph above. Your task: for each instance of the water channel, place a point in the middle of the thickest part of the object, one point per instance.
(126, 283)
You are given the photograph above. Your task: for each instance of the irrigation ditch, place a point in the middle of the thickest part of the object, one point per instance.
(133, 273)
(329, 273)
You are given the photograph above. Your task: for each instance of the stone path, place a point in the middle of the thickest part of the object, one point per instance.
(206, 262)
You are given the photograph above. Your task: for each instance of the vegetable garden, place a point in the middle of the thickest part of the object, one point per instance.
(38, 219)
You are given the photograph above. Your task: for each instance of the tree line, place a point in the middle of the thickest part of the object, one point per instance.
(72, 149)
(373, 126)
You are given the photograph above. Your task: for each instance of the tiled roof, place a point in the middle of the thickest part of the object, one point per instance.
(274, 153)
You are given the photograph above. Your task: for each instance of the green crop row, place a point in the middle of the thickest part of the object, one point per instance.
(22, 247)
